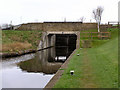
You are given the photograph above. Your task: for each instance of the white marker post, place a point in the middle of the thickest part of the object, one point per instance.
(72, 72)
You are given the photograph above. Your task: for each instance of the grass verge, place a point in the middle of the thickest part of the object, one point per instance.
(14, 40)
(96, 67)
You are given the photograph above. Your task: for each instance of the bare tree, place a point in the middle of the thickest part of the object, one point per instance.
(82, 19)
(97, 14)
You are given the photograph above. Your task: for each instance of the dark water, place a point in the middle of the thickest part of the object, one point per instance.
(33, 70)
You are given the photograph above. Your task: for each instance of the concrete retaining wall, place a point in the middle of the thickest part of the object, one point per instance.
(46, 41)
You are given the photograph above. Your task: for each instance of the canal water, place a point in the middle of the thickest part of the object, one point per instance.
(33, 70)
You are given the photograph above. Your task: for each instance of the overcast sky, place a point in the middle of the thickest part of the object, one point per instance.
(24, 11)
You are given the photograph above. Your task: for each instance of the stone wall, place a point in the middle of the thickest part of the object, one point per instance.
(58, 26)
(62, 26)
(103, 28)
(89, 26)
(68, 26)
(31, 26)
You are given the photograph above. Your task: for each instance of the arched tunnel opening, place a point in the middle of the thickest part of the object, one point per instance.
(65, 44)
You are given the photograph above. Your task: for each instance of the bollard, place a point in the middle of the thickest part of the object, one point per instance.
(72, 72)
(78, 54)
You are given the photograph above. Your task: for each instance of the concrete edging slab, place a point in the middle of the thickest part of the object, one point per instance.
(59, 73)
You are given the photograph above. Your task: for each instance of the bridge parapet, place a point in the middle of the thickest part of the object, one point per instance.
(62, 32)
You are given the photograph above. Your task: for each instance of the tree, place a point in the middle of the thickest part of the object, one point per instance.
(97, 14)
(82, 19)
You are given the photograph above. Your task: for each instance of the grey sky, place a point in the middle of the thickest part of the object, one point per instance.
(23, 11)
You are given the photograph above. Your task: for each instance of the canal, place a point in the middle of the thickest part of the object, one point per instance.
(36, 70)
(33, 70)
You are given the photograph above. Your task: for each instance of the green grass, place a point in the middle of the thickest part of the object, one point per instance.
(13, 36)
(95, 67)
(83, 35)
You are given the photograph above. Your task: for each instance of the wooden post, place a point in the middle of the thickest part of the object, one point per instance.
(118, 25)
(91, 35)
(108, 25)
(100, 35)
(109, 35)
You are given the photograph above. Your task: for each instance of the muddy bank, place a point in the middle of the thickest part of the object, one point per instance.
(15, 54)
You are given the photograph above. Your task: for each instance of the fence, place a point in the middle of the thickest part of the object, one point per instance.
(113, 24)
(95, 35)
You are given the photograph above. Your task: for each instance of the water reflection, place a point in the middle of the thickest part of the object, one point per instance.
(14, 77)
(47, 61)
(44, 61)
(7, 62)
(62, 53)
(39, 68)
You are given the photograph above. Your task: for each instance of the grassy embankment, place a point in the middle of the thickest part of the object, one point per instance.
(15, 41)
(96, 67)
